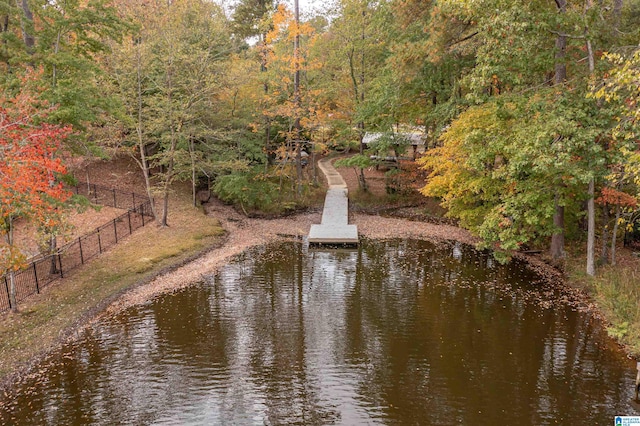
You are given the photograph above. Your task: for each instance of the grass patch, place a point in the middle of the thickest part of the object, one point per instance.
(617, 293)
(44, 319)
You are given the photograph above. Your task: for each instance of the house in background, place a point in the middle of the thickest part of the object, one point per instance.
(415, 140)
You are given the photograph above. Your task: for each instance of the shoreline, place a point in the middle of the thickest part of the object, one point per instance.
(244, 233)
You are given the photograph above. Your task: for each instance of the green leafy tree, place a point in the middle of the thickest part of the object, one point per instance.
(534, 147)
(66, 38)
(351, 52)
(618, 88)
(250, 18)
(169, 77)
(432, 46)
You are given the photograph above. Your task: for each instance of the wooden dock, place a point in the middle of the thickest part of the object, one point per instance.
(334, 227)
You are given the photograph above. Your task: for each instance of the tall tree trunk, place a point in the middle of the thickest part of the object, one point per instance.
(4, 28)
(352, 73)
(144, 161)
(12, 291)
(54, 71)
(615, 234)
(617, 13)
(557, 239)
(88, 179)
(53, 248)
(362, 75)
(591, 232)
(168, 176)
(165, 208)
(56, 49)
(26, 25)
(357, 96)
(430, 129)
(591, 210)
(267, 138)
(267, 120)
(313, 165)
(168, 179)
(356, 93)
(363, 181)
(297, 99)
(604, 253)
(560, 75)
(12, 276)
(193, 170)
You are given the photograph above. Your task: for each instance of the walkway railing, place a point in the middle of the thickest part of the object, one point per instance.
(43, 270)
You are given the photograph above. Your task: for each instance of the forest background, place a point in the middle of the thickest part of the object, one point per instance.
(529, 109)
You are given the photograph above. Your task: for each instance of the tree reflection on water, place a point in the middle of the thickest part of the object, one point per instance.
(399, 331)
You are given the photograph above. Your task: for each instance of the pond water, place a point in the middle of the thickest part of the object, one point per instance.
(395, 332)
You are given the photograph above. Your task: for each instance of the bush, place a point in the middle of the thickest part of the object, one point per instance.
(258, 192)
(246, 189)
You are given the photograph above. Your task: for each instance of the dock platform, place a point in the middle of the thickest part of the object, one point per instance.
(334, 227)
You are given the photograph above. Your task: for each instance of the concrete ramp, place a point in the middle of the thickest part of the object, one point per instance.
(334, 228)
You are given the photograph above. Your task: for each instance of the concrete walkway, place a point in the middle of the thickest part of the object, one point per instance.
(334, 227)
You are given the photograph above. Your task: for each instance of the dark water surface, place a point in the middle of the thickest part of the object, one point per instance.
(397, 332)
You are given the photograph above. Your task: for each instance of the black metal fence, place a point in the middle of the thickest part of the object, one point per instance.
(44, 270)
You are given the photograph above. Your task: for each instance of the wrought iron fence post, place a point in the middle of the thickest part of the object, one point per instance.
(129, 218)
(60, 263)
(99, 242)
(81, 254)
(6, 286)
(35, 275)
(142, 212)
(115, 230)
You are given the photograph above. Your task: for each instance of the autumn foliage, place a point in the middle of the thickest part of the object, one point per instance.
(29, 168)
(616, 198)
